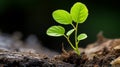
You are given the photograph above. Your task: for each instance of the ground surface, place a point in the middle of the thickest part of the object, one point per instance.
(103, 53)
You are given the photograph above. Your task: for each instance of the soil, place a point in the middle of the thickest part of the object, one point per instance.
(103, 53)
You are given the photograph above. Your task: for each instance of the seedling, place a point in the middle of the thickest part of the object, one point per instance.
(78, 14)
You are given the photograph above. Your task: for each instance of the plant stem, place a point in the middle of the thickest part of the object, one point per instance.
(76, 33)
(73, 26)
(76, 41)
(69, 42)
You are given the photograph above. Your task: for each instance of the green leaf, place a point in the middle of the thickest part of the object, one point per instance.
(56, 31)
(82, 36)
(70, 32)
(79, 12)
(62, 17)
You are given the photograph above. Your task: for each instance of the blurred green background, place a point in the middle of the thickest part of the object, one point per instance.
(34, 17)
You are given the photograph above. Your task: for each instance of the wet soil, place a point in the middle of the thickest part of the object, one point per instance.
(103, 53)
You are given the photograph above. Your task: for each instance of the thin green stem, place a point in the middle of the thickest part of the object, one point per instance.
(73, 25)
(77, 49)
(76, 41)
(69, 42)
(76, 30)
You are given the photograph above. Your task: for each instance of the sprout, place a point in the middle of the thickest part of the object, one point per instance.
(78, 14)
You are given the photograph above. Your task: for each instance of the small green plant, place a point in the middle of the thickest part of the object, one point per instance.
(78, 14)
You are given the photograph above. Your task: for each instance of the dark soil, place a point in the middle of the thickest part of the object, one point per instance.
(103, 53)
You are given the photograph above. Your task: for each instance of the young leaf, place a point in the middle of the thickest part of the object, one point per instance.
(56, 31)
(82, 36)
(70, 32)
(62, 17)
(79, 12)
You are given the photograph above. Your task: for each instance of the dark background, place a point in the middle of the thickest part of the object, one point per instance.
(34, 17)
